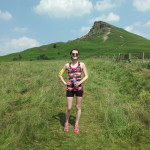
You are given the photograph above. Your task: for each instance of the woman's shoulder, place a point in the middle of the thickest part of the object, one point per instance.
(66, 65)
(81, 63)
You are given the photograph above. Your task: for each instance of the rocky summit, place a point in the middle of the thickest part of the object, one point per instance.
(99, 29)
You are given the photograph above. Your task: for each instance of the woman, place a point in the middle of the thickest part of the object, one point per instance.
(74, 86)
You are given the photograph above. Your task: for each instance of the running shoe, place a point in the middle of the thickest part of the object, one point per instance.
(66, 127)
(76, 129)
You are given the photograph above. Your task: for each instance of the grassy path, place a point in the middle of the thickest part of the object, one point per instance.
(115, 108)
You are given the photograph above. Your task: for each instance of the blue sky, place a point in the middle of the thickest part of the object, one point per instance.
(30, 23)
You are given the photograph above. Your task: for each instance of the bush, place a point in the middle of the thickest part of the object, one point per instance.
(17, 58)
(54, 46)
(42, 57)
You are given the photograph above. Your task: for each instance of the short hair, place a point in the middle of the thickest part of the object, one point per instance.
(75, 50)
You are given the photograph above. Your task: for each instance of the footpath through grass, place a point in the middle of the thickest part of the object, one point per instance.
(115, 108)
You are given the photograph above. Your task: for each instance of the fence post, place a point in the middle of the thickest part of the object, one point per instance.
(143, 58)
(119, 57)
(129, 57)
(114, 57)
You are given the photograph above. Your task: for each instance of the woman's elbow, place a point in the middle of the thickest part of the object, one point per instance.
(87, 77)
(59, 76)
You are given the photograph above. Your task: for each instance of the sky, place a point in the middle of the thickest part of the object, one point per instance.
(32, 23)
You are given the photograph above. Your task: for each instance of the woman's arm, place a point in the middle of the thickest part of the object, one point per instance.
(61, 73)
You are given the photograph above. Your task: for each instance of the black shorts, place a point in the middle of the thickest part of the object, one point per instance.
(72, 93)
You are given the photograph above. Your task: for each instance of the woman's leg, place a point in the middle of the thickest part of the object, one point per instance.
(78, 108)
(68, 109)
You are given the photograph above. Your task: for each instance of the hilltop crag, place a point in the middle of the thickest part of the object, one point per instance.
(99, 29)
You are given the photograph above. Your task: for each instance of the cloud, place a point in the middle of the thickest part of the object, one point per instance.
(139, 29)
(147, 24)
(63, 8)
(20, 30)
(103, 5)
(133, 29)
(111, 17)
(129, 28)
(85, 29)
(8, 46)
(82, 31)
(5, 15)
(142, 5)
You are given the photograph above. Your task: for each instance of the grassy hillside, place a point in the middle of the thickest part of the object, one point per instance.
(119, 41)
(115, 108)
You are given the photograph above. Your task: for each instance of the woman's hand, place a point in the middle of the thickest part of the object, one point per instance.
(77, 83)
(67, 83)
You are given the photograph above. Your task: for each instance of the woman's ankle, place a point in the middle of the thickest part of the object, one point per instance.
(66, 123)
(76, 124)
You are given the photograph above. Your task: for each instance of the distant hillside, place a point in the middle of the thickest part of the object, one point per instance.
(102, 39)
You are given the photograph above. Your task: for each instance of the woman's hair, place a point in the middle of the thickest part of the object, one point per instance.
(75, 49)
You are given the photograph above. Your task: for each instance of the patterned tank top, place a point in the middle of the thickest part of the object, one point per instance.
(74, 73)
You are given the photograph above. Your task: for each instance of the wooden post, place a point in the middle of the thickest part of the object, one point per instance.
(143, 58)
(113, 57)
(129, 57)
(119, 57)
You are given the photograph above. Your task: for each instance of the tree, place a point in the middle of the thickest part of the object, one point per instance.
(54, 46)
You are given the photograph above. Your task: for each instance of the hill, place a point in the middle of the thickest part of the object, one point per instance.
(102, 39)
(115, 107)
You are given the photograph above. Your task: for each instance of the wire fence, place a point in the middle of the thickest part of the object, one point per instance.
(142, 59)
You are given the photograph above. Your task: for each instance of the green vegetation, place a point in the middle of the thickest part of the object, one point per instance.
(115, 108)
(119, 41)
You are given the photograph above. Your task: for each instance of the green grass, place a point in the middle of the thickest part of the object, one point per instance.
(115, 108)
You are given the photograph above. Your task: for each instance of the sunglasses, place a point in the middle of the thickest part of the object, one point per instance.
(74, 54)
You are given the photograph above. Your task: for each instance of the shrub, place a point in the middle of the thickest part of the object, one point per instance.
(17, 58)
(54, 46)
(42, 57)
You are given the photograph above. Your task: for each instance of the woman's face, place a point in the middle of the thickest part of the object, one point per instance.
(74, 54)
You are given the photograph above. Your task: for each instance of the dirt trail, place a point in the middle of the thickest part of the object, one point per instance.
(105, 36)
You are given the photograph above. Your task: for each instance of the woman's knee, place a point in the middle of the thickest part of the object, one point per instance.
(68, 108)
(78, 107)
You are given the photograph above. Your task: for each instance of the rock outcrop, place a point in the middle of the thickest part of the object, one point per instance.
(99, 29)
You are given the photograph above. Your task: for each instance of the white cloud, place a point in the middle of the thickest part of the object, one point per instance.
(147, 24)
(129, 28)
(5, 15)
(107, 4)
(142, 5)
(16, 45)
(104, 5)
(133, 27)
(63, 8)
(82, 31)
(85, 29)
(111, 17)
(139, 29)
(20, 30)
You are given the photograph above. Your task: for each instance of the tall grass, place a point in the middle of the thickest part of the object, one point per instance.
(115, 108)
